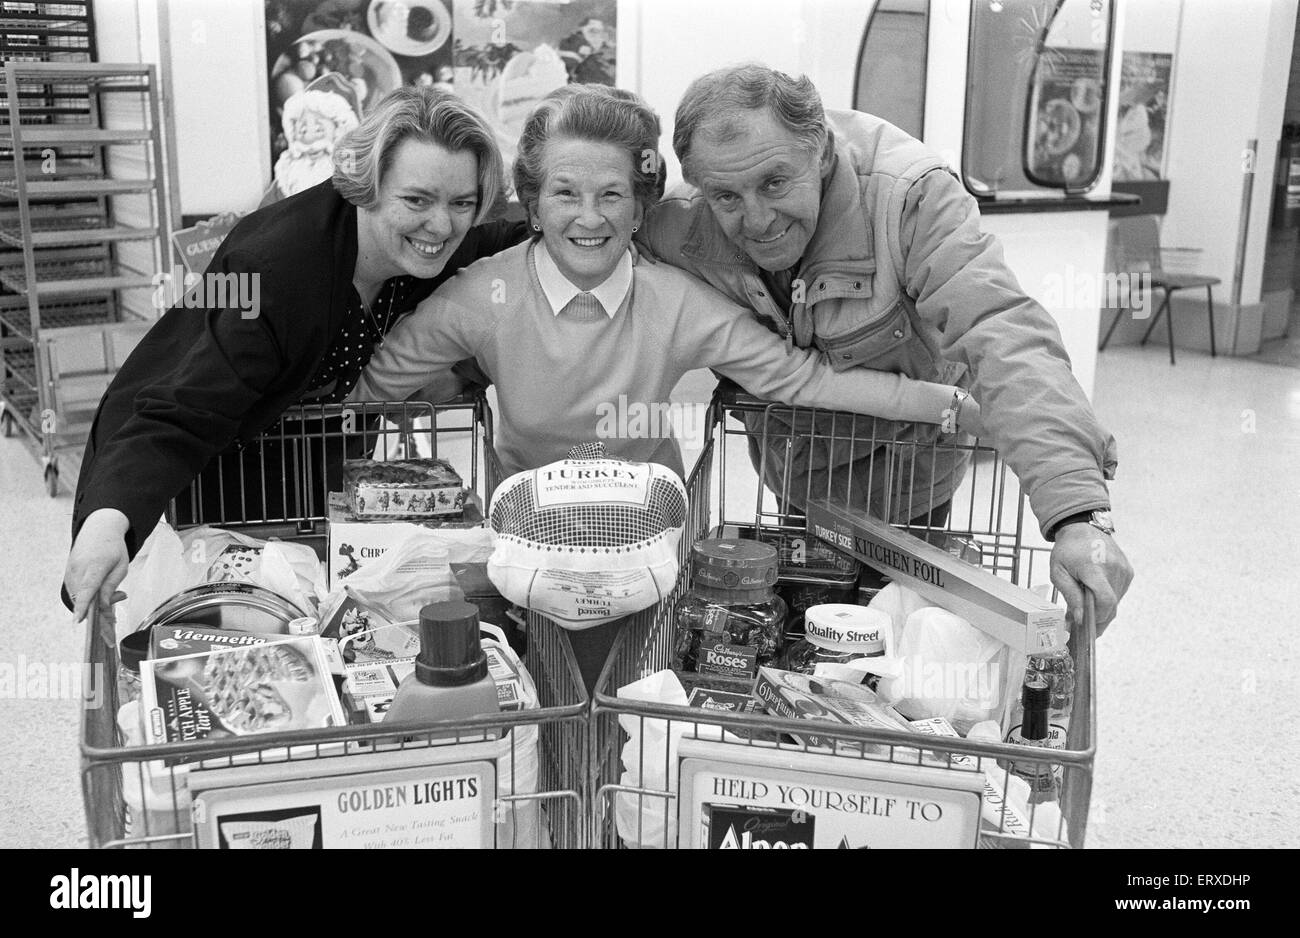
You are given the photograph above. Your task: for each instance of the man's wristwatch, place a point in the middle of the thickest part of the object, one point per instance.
(1099, 519)
(953, 417)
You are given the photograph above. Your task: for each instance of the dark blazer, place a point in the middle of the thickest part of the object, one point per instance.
(203, 378)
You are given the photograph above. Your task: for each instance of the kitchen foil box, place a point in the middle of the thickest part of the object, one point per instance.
(1013, 615)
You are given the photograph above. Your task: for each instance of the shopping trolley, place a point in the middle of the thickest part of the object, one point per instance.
(910, 472)
(278, 485)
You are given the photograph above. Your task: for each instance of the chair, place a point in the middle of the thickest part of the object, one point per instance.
(1136, 252)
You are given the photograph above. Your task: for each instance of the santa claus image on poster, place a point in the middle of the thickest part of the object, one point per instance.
(314, 120)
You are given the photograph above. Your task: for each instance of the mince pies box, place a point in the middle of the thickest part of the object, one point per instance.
(353, 543)
(1013, 615)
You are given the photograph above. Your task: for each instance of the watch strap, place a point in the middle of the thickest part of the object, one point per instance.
(1079, 517)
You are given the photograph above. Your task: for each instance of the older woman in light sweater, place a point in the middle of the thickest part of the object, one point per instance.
(570, 323)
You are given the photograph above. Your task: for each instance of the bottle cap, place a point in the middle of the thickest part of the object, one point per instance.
(133, 649)
(451, 652)
(734, 569)
(305, 625)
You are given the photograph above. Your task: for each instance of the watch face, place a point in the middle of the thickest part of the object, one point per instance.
(1102, 519)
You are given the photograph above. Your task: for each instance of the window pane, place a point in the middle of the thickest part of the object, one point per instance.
(1036, 94)
(891, 65)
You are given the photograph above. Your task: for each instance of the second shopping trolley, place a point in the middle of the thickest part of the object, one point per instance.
(650, 760)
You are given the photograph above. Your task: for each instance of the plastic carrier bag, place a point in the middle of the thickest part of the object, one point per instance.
(584, 541)
(170, 562)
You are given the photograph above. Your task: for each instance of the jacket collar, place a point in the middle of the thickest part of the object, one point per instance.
(843, 232)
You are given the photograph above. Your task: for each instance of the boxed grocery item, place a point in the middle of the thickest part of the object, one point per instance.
(354, 542)
(997, 814)
(172, 641)
(372, 680)
(263, 688)
(352, 615)
(722, 695)
(754, 827)
(804, 697)
(722, 700)
(402, 489)
(1015, 616)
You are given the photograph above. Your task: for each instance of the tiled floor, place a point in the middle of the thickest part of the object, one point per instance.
(1286, 350)
(1203, 659)
(1283, 351)
(1197, 680)
(38, 735)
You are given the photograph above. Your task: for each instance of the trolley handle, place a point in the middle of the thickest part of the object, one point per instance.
(729, 395)
(1082, 646)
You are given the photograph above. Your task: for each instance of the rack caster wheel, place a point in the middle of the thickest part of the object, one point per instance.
(6, 424)
(52, 480)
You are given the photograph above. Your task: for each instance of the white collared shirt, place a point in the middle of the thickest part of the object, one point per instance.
(560, 290)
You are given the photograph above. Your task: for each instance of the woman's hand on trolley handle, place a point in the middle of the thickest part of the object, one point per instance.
(97, 563)
(1085, 556)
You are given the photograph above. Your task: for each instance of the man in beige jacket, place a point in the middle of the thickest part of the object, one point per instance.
(842, 232)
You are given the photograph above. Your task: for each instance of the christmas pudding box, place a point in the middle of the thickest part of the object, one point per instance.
(354, 543)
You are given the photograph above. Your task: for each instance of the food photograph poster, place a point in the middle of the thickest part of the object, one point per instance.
(1066, 110)
(331, 60)
(1143, 115)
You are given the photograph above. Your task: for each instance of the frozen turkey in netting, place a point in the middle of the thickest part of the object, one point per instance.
(587, 540)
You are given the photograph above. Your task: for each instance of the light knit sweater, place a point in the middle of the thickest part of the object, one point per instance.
(565, 379)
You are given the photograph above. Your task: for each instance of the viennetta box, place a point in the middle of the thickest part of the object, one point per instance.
(1016, 616)
(238, 691)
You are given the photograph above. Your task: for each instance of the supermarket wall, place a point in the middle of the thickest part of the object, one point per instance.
(658, 57)
(126, 33)
(213, 57)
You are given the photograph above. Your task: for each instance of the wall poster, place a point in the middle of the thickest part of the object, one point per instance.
(1143, 116)
(331, 60)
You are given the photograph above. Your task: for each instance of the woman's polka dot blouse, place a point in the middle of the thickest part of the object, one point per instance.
(351, 349)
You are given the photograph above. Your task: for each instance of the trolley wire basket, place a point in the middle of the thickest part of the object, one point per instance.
(278, 485)
(958, 495)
